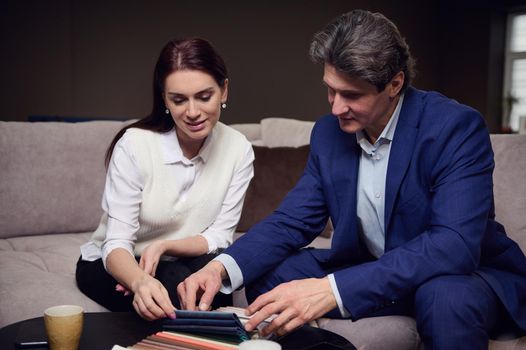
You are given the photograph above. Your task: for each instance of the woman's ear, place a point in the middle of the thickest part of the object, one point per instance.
(224, 91)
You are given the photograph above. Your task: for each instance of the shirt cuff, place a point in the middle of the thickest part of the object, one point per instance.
(336, 293)
(212, 245)
(235, 277)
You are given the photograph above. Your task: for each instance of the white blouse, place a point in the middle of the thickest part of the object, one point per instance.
(123, 194)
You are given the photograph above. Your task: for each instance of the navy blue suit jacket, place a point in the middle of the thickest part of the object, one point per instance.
(439, 212)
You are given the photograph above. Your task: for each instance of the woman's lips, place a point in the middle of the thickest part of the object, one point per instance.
(196, 126)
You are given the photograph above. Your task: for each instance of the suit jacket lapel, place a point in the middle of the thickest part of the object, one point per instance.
(401, 150)
(345, 170)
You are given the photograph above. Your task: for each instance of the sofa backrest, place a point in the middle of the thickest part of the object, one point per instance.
(509, 184)
(277, 132)
(509, 177)
(52, 176)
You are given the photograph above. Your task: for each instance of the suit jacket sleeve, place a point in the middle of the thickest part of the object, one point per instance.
(299, 219)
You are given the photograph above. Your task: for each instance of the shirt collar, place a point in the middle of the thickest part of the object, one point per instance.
(172, 152)
(389, 130)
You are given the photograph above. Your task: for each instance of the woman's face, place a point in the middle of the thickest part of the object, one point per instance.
(194, 99)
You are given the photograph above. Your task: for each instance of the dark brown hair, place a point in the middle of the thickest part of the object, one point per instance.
(177, 54)
(364, 45)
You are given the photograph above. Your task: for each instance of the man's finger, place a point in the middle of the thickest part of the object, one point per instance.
(207, 297)
(260, 302)
(191, 291)
(181, 293)
(263, 314)
(289, 326)
(277, 323)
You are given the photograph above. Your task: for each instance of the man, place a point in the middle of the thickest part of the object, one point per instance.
(406, 178)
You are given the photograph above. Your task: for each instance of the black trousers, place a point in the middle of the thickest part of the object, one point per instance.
(99, 285)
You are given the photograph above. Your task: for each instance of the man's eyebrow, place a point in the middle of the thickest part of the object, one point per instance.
(328, 86)
(340, 91)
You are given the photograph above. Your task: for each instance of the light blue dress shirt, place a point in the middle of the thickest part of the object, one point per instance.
(370, 203)
(371, 184)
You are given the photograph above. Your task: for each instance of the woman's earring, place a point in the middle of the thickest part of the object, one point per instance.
(223, 105)
(167, 111)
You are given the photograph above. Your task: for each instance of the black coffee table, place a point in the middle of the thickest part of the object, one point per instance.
(102, 330)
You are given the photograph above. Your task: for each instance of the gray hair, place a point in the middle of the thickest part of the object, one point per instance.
(364, 45)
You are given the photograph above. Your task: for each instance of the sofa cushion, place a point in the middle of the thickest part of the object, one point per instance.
(386, 332)
(276, 171)
(284, 132)
(509, 185)
(49, 173)
(251, 131)
(37, 272)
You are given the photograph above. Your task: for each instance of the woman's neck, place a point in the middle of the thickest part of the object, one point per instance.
(190, 147)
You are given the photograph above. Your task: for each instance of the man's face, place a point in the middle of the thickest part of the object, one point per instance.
(358, 105)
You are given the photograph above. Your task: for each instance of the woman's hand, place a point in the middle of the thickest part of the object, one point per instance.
(151, 255)
(295, 303)
(120, 288)
(151, 300)
(148, 263)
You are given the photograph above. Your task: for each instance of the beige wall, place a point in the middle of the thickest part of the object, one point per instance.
(95, 58)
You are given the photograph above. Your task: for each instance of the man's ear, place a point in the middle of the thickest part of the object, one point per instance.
(396, 84)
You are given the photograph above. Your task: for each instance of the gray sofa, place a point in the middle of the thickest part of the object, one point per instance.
(51, 181)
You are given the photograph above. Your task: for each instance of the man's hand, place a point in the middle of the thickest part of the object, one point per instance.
(203, 285)
(295, 303)
(151, 299)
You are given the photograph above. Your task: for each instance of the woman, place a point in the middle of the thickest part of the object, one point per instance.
(174, 189)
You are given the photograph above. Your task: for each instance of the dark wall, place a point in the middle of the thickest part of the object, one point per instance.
(95, 58)
(471, 55)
